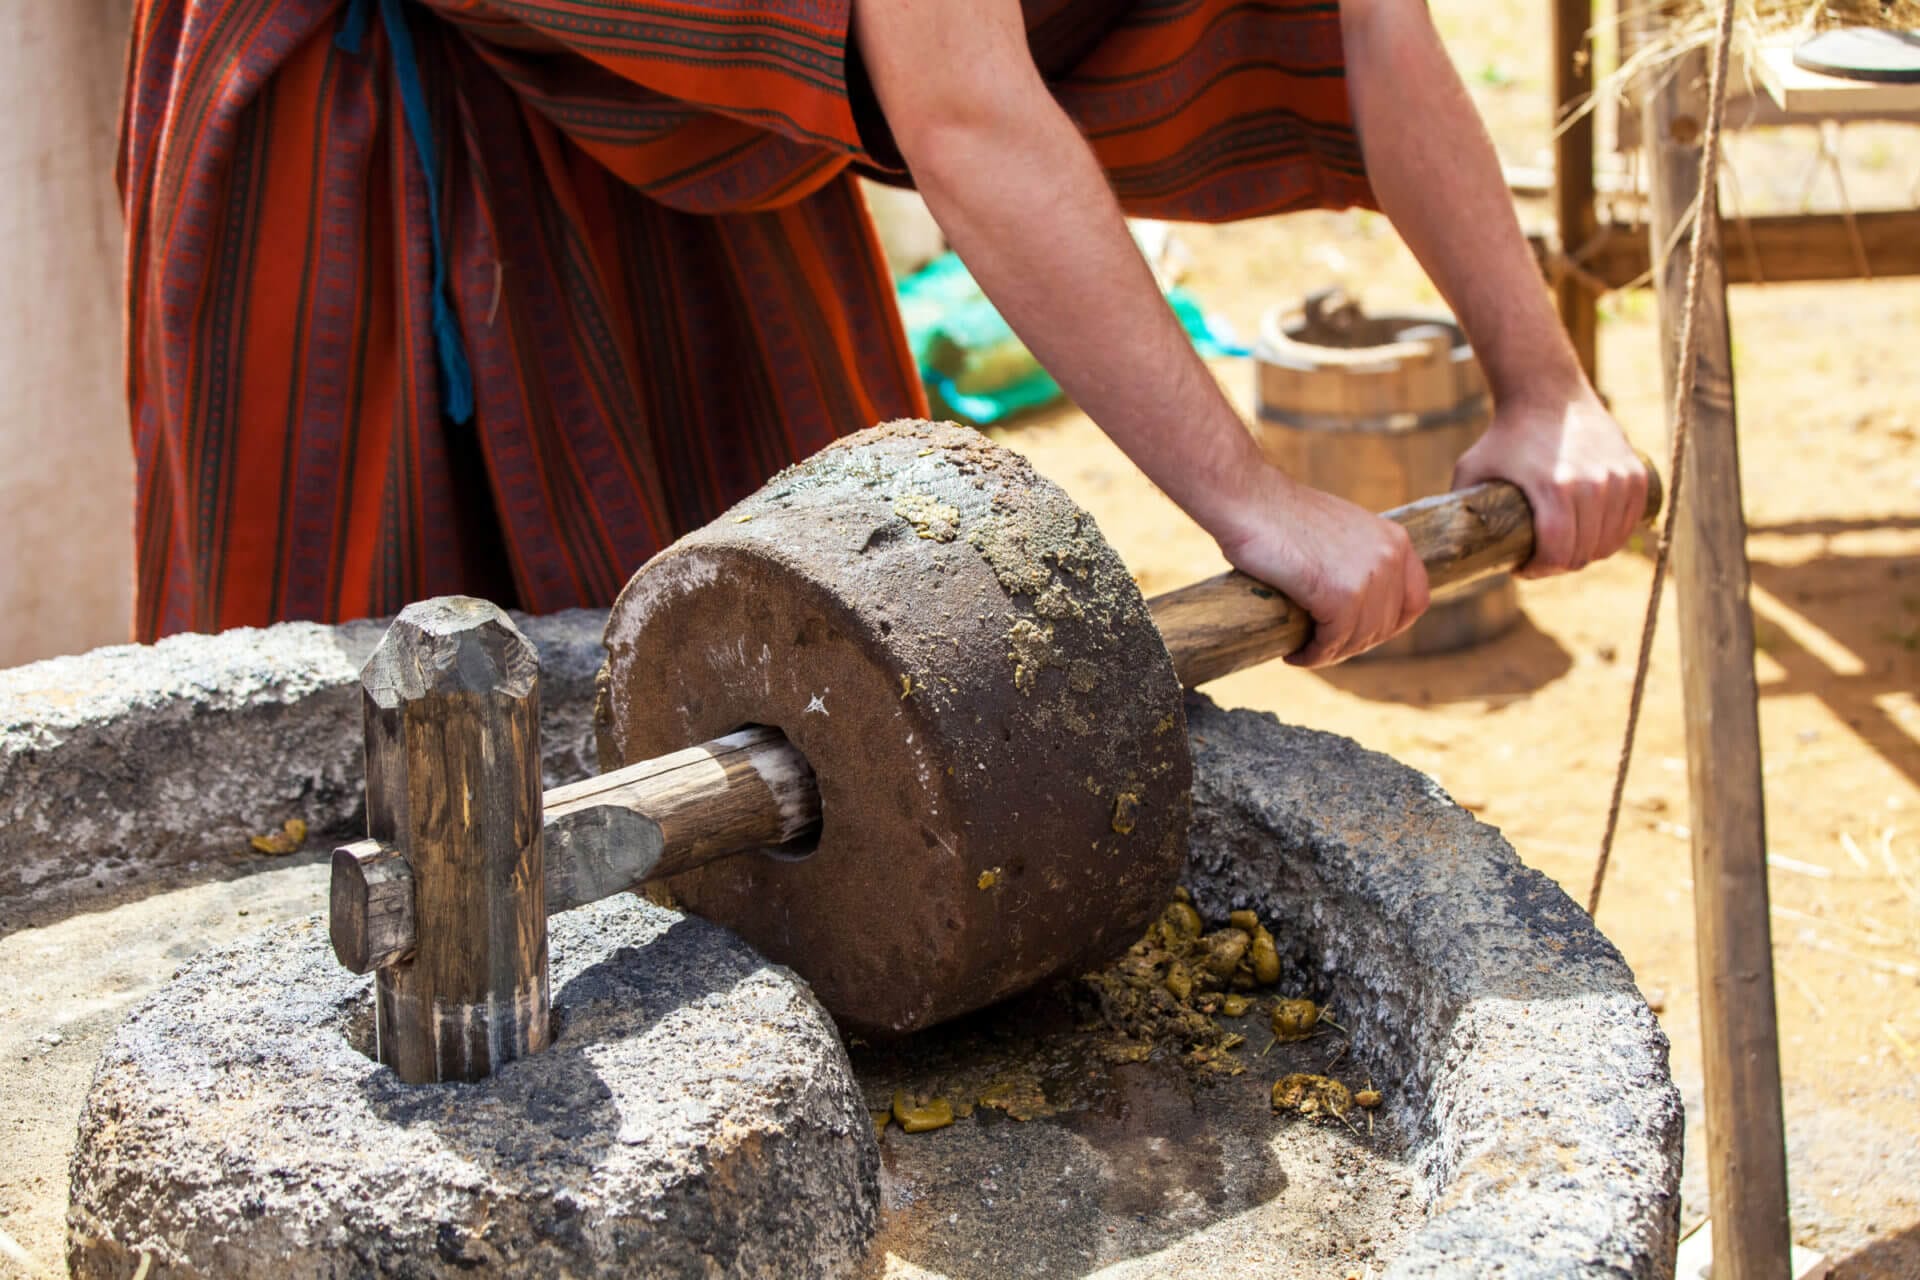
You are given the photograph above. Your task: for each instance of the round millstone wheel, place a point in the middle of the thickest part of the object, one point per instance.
(695, 1115)
(976, 682)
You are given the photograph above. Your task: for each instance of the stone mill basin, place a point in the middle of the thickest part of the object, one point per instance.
(192, 1096)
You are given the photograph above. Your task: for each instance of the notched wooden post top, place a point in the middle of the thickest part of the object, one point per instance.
(452, 644)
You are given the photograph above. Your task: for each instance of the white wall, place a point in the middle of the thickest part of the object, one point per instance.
(66, 467)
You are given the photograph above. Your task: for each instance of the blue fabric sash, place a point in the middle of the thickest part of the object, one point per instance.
(456, 375)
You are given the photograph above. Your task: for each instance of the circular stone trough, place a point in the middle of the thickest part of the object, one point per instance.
(693, 1116)
(698, 1116)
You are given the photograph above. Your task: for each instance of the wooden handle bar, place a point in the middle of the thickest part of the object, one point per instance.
(1231, 622)
(753, 791)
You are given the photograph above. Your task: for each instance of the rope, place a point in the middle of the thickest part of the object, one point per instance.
(1559, 265)
(1745, 224)
(1832, 145)
(1706, 210)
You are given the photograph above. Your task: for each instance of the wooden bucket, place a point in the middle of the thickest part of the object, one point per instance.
(1377, 409)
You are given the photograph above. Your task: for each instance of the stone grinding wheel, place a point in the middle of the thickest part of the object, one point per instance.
(972, 674)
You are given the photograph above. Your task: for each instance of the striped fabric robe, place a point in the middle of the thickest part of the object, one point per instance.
(501, 296)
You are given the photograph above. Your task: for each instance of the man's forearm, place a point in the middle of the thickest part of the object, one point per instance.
(1450, 202)
(1437, 178)
(1021, 198)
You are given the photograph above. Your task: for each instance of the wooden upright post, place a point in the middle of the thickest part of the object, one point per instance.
(452, 708)
(1746, 1147)
(1573, 171)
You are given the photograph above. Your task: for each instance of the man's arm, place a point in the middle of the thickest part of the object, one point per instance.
(1438, 179)
(1025, 204)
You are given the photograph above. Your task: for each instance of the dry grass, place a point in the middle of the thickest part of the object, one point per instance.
(1674, 27)
(1777, 17)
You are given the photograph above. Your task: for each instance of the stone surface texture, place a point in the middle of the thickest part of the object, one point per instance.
(127, 761)
(991, 717)
(1548, 1126)
(695, 1116)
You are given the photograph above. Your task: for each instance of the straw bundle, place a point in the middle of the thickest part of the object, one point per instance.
(1652, 32)
(1772, 16)
(1688, 20)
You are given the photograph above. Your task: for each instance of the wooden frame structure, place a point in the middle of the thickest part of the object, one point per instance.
(1746, 1148)
(1769, 249)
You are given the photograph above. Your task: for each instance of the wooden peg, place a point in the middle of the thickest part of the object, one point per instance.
(452, 712)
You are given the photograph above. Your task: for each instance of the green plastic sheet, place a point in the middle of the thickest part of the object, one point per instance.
(975, 369)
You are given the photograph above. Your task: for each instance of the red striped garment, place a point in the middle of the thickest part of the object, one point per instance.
(657, 260)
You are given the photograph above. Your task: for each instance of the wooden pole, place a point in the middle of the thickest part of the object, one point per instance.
(1573, 209)
(1778, 248)
(1231, 622)
(1746, 1146)
(452, 713)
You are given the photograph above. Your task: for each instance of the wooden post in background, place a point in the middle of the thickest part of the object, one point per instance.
(1740, 1051)
(1573, 210)
(452, 712)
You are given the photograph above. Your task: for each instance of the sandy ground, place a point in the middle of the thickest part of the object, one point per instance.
(1524, 730)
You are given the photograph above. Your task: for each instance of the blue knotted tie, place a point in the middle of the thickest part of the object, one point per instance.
(456, 375)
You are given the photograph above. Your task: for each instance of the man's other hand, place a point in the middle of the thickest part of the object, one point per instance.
(1587, 487)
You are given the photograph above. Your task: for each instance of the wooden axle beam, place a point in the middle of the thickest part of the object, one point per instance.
(604, 835)
(753, 791)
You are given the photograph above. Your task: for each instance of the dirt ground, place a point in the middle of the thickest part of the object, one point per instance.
(1525, 730)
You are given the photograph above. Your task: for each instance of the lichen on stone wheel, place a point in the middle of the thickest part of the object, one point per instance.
(976, 681)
